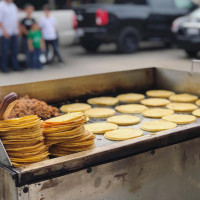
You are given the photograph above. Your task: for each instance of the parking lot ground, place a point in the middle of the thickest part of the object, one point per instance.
(78, 62)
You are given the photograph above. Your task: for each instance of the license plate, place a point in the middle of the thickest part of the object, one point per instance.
(80, 32)
(192, 31)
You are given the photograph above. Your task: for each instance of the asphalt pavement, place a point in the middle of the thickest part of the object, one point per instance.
(78, 63)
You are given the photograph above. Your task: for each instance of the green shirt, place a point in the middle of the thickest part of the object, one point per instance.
(35, 37)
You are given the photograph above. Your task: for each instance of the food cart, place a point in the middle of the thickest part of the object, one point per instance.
(163, 165)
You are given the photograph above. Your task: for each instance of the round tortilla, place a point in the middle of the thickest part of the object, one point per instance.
(123, 134)
(75, 107)
(155, 102)
(130, 97)
(101, 127)
(183, 98)
(158, 125)
(198, 102)
(196, 113)
(180, 118)
(104, 101)
(159, 93)
(99, 112)
(131, 108)
(124, 120)
(182, 107)
(157, 112)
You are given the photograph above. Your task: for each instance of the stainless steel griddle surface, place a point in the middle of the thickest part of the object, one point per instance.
(100, 140)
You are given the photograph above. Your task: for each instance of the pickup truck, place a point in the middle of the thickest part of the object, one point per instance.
(127, 22)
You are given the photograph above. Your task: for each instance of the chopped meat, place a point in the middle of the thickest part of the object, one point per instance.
(26, 106)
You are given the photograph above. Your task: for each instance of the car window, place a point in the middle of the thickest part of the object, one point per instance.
(196, 13)
(161, 3)
(137, 2)
(183, 4)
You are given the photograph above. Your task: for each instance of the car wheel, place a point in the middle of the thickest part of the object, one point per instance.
(128, 40)
(90, 45)
(191, 53)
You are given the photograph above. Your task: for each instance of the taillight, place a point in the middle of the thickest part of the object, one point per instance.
(102, 17)
(75, 22)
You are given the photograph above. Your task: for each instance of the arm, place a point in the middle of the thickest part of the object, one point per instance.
(54, 23)
(23, 29)
(43, 46)
(5, 34)
(30, 45)
(19, 29)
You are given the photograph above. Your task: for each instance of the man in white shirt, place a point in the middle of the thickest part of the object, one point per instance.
(48, 26)
(9, 29)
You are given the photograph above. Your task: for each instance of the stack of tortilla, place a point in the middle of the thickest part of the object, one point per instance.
(66, 134)
(23, 140)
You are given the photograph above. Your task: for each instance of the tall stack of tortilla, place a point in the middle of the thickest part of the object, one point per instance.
(66, 134)
(23, 140)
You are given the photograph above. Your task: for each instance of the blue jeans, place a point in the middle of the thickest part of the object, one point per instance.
(54, 44)
(27, 52)
(9, 47)
(36, 64)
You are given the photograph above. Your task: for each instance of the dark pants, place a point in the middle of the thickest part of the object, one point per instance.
(54, 44)
(27, 52)
(36, 64)
(9, 47)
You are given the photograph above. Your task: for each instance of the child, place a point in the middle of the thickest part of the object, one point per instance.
(48, 27)
(36, 45)
(26, 24)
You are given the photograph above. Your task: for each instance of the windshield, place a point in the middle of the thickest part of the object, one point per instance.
(183, 4)
(196, 13)
(180, 4)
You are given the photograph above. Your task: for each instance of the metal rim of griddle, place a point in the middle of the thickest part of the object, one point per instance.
(4, 158)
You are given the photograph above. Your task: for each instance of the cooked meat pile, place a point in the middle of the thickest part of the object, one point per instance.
(26, 106)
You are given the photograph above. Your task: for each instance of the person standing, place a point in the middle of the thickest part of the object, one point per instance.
(26, 24)
(9, 30)
(48, 27)
(36, 45)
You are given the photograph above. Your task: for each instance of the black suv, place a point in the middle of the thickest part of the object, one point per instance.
(127, 22)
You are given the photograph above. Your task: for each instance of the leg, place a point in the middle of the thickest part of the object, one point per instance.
(34, 59)
(47, 43)
(56, 50)
(39, 64)
(4, 54)
(14, 51)
(27, 52)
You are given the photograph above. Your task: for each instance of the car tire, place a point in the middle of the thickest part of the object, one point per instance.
(191, 53)
(128, 40)
(90, 45)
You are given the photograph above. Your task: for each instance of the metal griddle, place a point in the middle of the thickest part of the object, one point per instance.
(47, 179)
